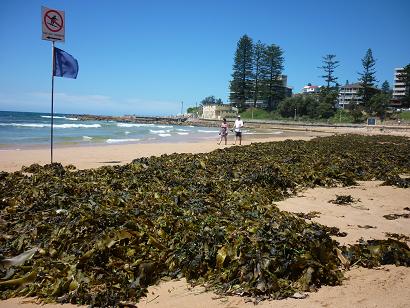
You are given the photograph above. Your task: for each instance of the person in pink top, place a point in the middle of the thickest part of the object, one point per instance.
(223, 132)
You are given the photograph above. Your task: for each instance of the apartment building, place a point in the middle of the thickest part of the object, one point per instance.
(399, 88)
(349, 94)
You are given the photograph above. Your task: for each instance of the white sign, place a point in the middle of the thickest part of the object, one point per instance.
(53, 24)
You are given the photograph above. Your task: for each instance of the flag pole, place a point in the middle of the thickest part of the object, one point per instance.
(52, 103)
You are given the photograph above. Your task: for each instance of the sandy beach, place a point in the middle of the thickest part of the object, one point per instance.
(382, 287)
(85, 157)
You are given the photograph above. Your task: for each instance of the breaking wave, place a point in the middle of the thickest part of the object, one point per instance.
(133, 124)
(41, 125)
(121, 140)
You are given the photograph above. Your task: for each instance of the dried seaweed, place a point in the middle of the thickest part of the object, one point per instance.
(399, 237)
(335, 231)
(344, 200)
(396, 180)
(374, 253)
(103, 235)
(396, 216)
(367, 227)
(309, 215)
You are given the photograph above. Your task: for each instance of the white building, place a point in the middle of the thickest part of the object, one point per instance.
(399, 88)
(309, 89)
(349, 94)
(214, 111)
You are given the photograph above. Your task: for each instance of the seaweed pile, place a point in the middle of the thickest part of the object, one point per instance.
(101, 236)
(374, 253)
(343, 200)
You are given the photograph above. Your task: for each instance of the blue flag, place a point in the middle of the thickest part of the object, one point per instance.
(64, 64)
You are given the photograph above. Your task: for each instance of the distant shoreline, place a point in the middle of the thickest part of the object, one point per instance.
(31, 132)
(251, 123)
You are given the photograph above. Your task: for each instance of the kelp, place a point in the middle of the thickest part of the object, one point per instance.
(396, 180)
(367, 227)
(102, 236)
(343, 200)
(399, 237)
(396, 216)
(374, 253)
(308, 216)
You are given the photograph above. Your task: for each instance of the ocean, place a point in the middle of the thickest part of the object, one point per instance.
(28, 129)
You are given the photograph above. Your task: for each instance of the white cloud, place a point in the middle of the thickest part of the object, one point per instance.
(69, 98)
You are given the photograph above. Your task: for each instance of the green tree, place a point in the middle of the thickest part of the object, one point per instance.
(367, 78)
(356, 111)
(315, 106)
(290, 106)
(242, 76)
(385, 87)
(310, 106)
(404, 77)
(299, 106)
(195, 110)
(329, 66)
(258, 52)
(327, 100)
(379, 103)
(271, 71)
(211, 100)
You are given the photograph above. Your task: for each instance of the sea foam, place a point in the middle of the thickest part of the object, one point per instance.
(133, 124)
(161, 131)
(121, 140)
(77, 126)
(58, 117)
(25, 125)
(41, 125)
(164, 126)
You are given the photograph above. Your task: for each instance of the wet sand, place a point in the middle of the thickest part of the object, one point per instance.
(84, 157)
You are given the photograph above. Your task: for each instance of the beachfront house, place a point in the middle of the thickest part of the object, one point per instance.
(217, 111)
(349, 94)
(310, 89)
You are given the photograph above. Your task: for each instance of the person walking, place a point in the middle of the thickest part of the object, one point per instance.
(223, 131)
(238, 129)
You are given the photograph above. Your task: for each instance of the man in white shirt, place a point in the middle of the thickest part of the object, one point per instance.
(238, 129)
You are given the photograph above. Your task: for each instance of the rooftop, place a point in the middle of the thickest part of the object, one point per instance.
(356, 85)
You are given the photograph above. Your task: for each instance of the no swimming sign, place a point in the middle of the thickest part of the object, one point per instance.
(52, 24)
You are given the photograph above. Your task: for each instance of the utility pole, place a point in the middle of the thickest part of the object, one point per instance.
(182, 108)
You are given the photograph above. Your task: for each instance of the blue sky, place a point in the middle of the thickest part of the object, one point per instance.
(146, 57)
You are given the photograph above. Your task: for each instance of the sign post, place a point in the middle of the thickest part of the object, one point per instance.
(53, 29)
(371, 121)
(52, 24)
